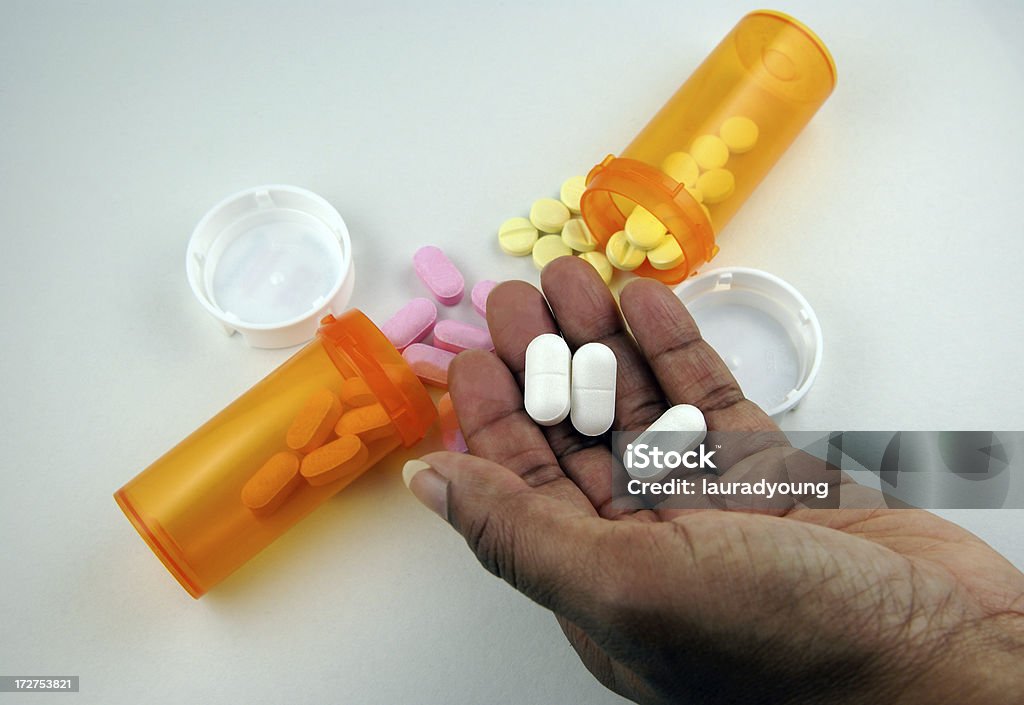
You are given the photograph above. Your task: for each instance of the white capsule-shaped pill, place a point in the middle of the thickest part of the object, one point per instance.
(680, 429)
(548, 367)
(593, 389)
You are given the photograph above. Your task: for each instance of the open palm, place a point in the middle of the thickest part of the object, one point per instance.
(790, 604)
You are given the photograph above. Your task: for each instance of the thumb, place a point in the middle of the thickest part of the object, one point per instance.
(536, 542)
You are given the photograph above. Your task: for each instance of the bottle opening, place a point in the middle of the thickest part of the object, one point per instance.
(353, 342)
(617, 184)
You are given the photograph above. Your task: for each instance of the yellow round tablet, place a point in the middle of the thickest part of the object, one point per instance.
(681, 167)
(710, 152)
(643, 229)
(716, 185)
(739, 134)
(621, 254)
(549, 247)
(548, 215)
(667, 254)
(572, 189)
(697, 194)
(576, 235)
(516, 236)
(599, 262)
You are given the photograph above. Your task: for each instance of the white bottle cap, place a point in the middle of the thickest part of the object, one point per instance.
(763, 328)
(270, 262)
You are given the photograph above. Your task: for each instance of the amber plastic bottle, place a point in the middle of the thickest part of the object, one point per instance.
(187, 505)
(771, 69)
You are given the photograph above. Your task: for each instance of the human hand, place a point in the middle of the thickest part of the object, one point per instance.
(791, 604)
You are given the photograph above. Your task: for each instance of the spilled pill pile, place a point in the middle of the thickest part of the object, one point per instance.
(555, 229)
(410, 326)
(429, 345)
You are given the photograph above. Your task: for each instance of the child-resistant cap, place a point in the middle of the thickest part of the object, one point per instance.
(270, 262)
(763, 329)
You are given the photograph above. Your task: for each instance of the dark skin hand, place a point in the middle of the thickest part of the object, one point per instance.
(789, 604)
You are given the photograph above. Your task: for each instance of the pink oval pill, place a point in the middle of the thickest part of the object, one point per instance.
(479, 295)
(428, 363)
(439, 274)
(456, 336)
(411, 324)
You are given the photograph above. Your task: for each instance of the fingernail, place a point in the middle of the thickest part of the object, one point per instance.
(427, 486)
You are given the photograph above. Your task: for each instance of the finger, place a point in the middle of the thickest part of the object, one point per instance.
(586, 312)
(495, 426)
(540, 545)
(516, 314)
(689, 370)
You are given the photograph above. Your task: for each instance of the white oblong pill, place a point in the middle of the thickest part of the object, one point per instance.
(681, 429)
(548, 366)
(593, 389)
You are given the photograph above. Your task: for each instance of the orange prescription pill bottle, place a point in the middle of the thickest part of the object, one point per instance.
(189, 506)
(723, 130)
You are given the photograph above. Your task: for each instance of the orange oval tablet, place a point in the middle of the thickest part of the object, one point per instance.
(370, 423)
(355, 392)
(313, 423)
(332, 461)
(270, 486)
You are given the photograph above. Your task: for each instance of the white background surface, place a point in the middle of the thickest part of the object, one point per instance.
(897, 214)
